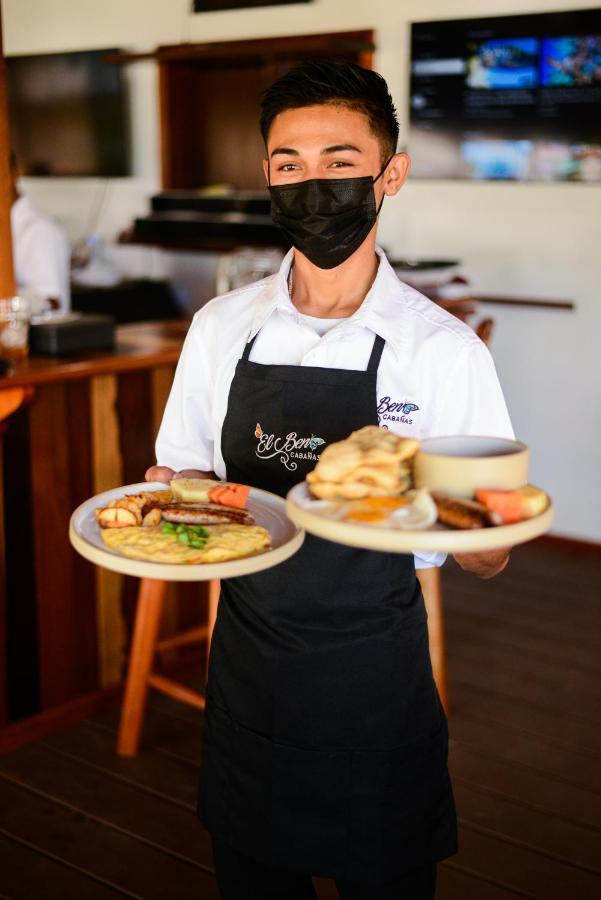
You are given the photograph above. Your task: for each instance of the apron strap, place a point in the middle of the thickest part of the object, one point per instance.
(376, 354)
(248, 347)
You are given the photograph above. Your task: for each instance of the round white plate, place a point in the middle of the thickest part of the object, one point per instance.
(268, 509)
(395, 540)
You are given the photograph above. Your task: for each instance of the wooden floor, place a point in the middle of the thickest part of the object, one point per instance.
(78, 823)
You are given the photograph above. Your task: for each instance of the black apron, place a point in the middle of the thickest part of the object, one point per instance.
(325, 744)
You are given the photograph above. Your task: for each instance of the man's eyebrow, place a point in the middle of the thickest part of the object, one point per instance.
(336, 148)
(285, 151)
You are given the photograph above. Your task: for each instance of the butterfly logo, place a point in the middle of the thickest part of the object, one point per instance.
(409, 408)
(315, 442)
(258, 431)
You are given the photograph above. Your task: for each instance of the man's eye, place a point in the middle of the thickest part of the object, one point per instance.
(340, 164)
(287, 167)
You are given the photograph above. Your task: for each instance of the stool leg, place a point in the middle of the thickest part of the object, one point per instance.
(214, 589)
(151, 595)
(431, 588)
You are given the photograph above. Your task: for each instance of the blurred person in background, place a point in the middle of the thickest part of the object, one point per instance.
(41, 253)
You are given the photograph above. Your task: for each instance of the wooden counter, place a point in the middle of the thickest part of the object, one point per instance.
(89, 424)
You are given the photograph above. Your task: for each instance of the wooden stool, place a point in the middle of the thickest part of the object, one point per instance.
(432, 590)
(144, 646)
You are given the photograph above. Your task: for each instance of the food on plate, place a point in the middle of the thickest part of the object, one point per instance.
(133, 509)
(192, 490)
(158, 544)
(205, 490)
(514, 506)
(457, 512)
(414, 510)
(371, 462)
(205, 514)
(158, 526)
(230, 494)
(367, 479)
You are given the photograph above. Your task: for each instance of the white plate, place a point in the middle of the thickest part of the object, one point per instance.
(395, 540)
(268, 509)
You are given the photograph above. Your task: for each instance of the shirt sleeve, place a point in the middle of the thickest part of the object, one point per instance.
(186, 436)
(471, 403)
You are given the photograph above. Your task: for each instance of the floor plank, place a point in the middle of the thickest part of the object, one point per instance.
(525, 870)
(28, 874)
(575, 844)
(164, 774)
(83, 788)
(114, 857)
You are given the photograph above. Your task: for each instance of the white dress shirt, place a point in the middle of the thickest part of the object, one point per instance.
(42, 256)
(435, 376)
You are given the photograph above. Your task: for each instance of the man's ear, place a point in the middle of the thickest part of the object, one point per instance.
(396, 173)
(266, 170)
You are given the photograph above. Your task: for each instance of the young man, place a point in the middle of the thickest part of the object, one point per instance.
(325, 741)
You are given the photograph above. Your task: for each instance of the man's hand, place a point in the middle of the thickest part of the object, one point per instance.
(485, 564)
(164, 474)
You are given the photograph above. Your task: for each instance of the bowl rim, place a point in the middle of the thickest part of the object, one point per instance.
(514, 447)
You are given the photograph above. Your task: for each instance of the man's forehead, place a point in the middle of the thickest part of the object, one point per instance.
(326, 125)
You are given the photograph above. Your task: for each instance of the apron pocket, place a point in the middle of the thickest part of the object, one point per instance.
(285, 806)
(402, 811)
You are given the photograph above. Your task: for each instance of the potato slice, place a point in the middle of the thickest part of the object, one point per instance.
(152, 518)
(133, 507)
(116, 517)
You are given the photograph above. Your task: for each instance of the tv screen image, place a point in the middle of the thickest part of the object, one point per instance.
(571, 61)
(509, 98)
(68, 114)
(503, 63)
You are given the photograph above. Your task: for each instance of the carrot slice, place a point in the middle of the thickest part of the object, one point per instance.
(508, 504)
(230, 495)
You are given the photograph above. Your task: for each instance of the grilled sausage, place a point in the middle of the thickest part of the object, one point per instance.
(206, 514)
(458, 513)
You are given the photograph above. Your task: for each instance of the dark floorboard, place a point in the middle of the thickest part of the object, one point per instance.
(79, 823)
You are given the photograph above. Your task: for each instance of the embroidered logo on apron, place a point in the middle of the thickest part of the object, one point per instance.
(288, 449)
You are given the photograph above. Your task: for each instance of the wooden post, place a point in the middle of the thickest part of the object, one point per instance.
(7, 289)
(7, 275)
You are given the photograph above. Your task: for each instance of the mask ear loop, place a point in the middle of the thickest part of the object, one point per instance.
(377, 178)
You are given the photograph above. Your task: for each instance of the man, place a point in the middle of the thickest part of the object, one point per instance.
(41, 253)
(325, 741)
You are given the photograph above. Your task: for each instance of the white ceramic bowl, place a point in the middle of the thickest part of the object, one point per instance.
(460, 464)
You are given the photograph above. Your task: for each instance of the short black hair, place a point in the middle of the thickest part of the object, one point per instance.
(321, 81)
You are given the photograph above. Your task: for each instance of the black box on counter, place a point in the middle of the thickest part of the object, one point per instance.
(70, 333)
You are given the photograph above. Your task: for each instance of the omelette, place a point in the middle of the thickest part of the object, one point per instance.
(225, 542)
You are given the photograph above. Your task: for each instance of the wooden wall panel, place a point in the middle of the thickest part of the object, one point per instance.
(21, 660)
(3, 680)
(136, 444)
(65, 583)
(107, 469)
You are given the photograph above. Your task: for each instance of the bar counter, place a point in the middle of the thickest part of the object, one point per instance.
(87, 424)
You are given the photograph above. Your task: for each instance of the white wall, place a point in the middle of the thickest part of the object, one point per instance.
(534, 240)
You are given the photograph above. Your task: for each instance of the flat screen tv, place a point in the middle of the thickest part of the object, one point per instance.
(68, 114)
(512, 98)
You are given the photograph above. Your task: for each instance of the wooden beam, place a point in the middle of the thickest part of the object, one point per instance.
(7, 275)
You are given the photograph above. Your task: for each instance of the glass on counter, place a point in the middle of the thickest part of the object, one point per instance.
(15, 313)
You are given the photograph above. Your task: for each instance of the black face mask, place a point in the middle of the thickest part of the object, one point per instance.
(326, 218)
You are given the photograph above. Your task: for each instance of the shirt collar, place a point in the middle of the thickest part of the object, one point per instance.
(382, 311)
